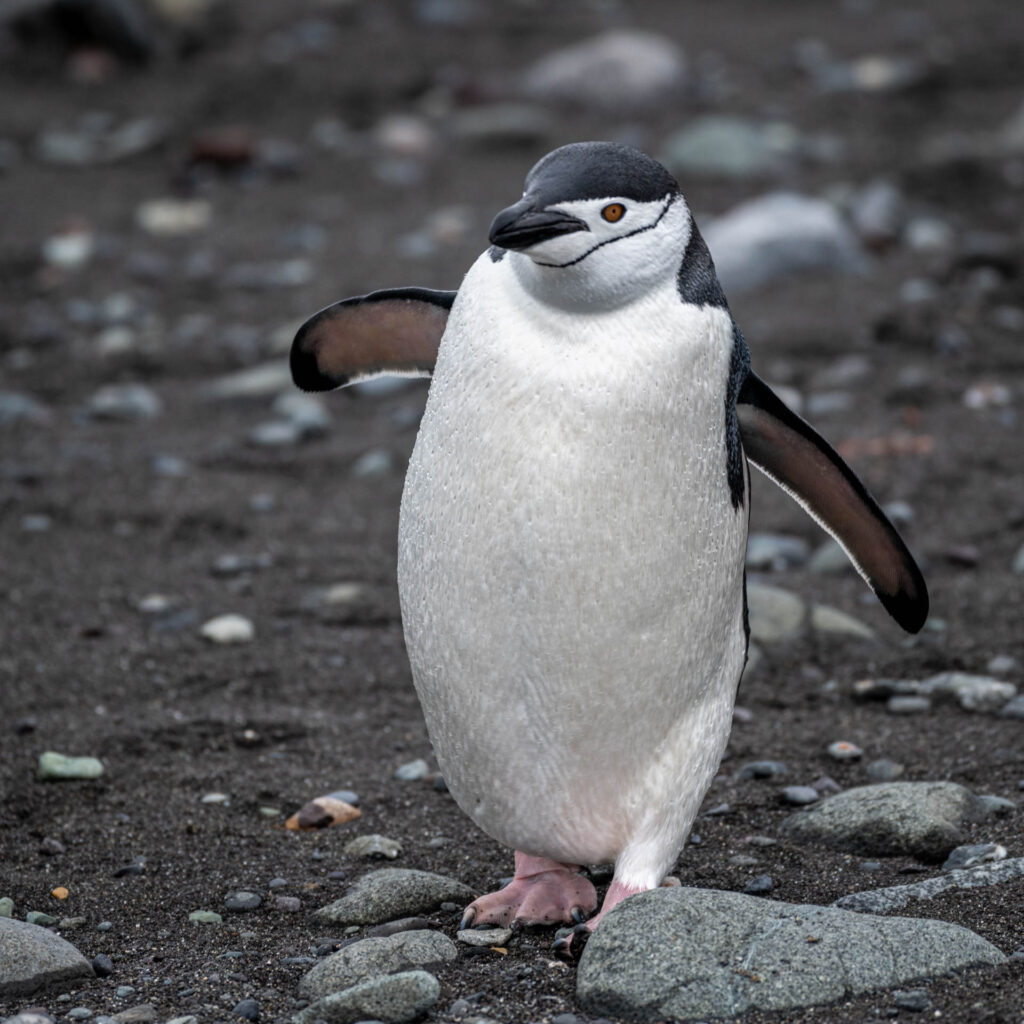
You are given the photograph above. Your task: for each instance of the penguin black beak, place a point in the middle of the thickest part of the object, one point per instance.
(522, 225)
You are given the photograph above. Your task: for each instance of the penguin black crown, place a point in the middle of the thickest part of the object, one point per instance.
(574, 522)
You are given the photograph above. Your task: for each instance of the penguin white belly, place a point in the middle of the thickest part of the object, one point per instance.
(571, 570)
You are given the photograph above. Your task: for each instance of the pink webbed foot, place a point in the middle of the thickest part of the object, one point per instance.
(542, 892)
(616, 893)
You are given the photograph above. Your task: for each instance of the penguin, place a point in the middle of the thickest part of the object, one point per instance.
(574, 521)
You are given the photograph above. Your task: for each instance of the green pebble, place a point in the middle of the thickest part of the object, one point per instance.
(59, 766)
(6, 907)
(38, 917)
(270, 812)
(206, 917)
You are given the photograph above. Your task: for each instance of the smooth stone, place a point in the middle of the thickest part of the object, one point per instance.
(826, 619)
(896, 897)
(775, 551)
(800, 795)
(971, 692)
(376, 462)
(205, 917)
(259, 381)
(393, 999)
(759, 885)
(275, 434)
(1014, 709)
(124, 402)
(18, 408)
(41, 918)
(102, 965)
(830, 558)
(412, 770)
(884, 770)
(373, 846)
(59, 766)
(501, 124)
(248, 1009)
(775, 614)
(32, 958)
(919, 819)
(730, 147)
(307, 412)
(228, 629)
(484, 936)
(779, 235)
(908, 705)
(6, 906)
(621, 70)
(170, 216)
(878, 212)
(997, 805)
(688, 954)
(390, 893)
(843, 750)
(762, 770)
(374, 957)
(144, 1013)
(288, 904)
(242, 901)
(973, 854)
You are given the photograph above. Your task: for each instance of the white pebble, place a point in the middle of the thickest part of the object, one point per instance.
(228, 629)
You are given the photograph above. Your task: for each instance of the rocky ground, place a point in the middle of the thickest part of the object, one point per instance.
(179, 191)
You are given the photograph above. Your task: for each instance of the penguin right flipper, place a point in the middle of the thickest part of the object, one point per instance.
(789, 451)
(395, 331)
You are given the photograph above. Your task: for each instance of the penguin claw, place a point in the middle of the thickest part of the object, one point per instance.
(568, 945)
(576, 913)
(467, 919)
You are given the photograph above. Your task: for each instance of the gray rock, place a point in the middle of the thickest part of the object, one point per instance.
(59, 766)
(31, 958)
(241, 901)
(485, 936)
(778, 235)
(693, 953)
(125, 402)
(830, 558)
(799, 795)
(825, 619)
(843, 750)
(373, 846)
(376, 957)
(911, 704)
(376, 462)
(971, 692)
(501, 124)
(6, 906)
(306, 412)
(878, 212)
(18, 408)
(412, 770)
(762, 770)
(775, 614)
(973, 854)
(260, 381)
(391, 893)
(731, 147)
(275, 434)
(392, 999)
(1015, 708)
(896, 897)
(621, 70)
(775, 551)
(884, 770)
(919, 819)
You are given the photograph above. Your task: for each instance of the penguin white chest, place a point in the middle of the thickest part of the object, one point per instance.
(571, 566)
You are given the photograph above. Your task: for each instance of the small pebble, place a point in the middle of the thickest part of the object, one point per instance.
(374, 846)
(124, 991)
(6, 906)
(228, 629)
(884, 770)
(80, 1013)
(247, 1008)
(800, 795)
(412, 770)
(842, 750)
(288, 904)
(759, 885)
(277, 883)
(376, 462)
(762, 770)
(40, 918)
(59, 766)
(242, 901)
(869, 865)
(915, 1000)
(971, 855)
(485, 936)
(908, 705)
(205, 917)
(102, 965)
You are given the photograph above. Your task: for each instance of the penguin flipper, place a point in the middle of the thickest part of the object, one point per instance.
(792, 454)
(395, 331)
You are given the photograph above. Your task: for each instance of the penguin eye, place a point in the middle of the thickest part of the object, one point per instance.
(613, 212)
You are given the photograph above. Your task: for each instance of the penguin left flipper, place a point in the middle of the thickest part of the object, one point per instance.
(394, 331)
(792, 454)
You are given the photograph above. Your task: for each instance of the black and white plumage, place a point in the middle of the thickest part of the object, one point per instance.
(574, 520)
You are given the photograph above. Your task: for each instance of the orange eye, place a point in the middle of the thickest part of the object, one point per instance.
(613, 212)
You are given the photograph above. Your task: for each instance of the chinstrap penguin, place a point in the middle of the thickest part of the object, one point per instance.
(574, 522)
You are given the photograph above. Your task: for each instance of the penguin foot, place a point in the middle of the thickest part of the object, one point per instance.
(571, 945)
(542, 892)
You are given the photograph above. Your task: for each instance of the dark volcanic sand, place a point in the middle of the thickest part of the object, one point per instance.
(330, 703)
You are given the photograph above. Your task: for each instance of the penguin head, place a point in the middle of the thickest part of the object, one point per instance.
(598, 226)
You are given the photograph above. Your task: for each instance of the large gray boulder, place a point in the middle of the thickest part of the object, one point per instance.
(374, 957)
(686, 954)
(917, 819)
(32, 958)
(392, 893)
